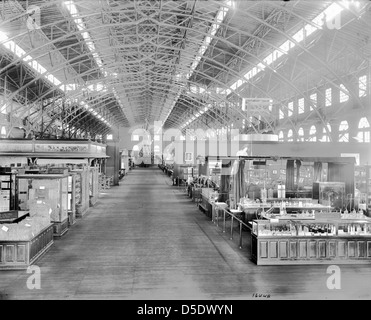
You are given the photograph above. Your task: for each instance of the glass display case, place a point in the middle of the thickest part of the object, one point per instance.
(296, 208)
(318, 241)
(65, 170)
(330, 193)
(33, 190)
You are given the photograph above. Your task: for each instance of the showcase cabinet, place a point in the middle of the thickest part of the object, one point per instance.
(331, 194)
(49, 189)
(294, 208)
(341, 241)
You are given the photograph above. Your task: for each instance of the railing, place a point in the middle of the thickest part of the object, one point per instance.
(231, 227)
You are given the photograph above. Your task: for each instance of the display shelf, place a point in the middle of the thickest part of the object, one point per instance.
(320, 241)
(6, 191)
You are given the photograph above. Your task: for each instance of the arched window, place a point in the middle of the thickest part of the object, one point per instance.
(300, 134)
(290, 137)
(281, 136)
(344, 131)
(326, 133)
(312, 133)
(363, 130)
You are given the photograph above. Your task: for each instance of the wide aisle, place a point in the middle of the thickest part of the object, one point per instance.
(146, 240)
(143, 240)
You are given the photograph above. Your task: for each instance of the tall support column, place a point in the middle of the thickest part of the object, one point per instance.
(113, 162)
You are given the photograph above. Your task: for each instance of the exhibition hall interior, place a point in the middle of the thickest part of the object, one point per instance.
(185, 150)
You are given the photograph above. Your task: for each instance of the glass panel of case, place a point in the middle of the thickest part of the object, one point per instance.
(338, 227)
(41, 188)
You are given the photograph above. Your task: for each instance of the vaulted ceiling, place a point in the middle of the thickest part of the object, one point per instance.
(93, 66)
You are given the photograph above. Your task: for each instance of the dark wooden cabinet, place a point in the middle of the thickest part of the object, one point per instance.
(273, 251)
(348, 242)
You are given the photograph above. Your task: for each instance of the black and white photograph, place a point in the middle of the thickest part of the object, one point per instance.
(185, 155)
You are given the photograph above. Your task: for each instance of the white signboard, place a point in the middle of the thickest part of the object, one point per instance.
(355, 155)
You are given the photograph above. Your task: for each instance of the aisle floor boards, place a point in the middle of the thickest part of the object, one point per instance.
(145, 239)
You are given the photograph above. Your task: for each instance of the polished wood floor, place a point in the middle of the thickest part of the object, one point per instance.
(145, 239)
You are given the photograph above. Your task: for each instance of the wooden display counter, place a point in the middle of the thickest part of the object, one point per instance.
(21, 254)
(329, 247)
(310, 250)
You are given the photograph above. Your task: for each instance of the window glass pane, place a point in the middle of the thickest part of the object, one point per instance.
(290, 108)
(328, 97)
(313, 98)
(362, 85)
(343, 96)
